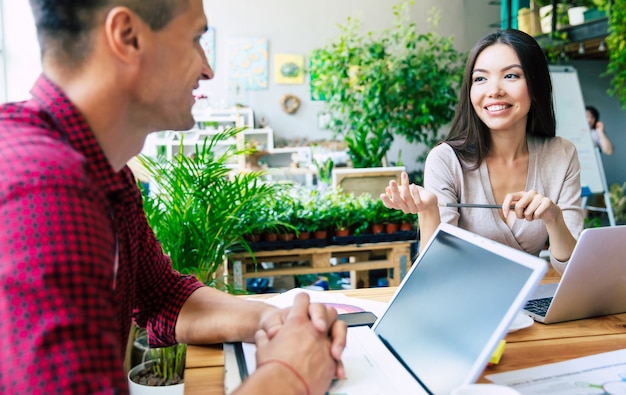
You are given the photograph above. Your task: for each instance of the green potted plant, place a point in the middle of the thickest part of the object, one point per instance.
(200, 211)
(324, 172)
(256, 225)
(408, 221)
(304, 220)
(162, 373)
(378, 85)
(284, 214)
(345, 211)
(376, 215)
(365, 202)
(324, 215)
(394, 218)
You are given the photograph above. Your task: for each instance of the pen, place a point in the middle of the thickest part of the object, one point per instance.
(471, 205)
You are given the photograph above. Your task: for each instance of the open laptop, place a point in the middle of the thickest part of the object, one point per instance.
(442, 325)
(594, 281)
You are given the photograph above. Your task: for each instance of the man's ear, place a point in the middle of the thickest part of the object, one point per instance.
(123, 30)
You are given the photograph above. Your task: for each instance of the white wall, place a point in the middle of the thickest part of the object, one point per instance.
(299, 26)
(22, 60)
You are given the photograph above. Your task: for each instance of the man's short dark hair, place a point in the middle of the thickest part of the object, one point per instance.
(594, 112)
(64, 26)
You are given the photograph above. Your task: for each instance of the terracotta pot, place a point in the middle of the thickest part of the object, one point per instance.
(270, 236)
(304, 235)
(378, 228)
(286, 236)
(391, 227)
(255, 238)
(342, 232)
(406, 226)
(320, 234)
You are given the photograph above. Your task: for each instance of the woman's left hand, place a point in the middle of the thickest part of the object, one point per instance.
(530, 205)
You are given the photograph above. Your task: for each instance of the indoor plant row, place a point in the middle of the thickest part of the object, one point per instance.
(327, 216)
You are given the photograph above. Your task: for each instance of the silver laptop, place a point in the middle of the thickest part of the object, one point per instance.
(594, 281)
(443, 323)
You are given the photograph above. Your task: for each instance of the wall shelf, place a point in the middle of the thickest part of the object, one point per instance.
(591, 35)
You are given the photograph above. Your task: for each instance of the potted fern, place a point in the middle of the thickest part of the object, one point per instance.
(200, 211)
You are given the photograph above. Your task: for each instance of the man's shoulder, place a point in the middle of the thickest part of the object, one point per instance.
(31, 146)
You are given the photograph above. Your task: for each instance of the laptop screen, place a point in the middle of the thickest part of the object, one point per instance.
(449, 307)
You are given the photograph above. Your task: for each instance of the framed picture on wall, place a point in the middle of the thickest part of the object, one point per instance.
(289, 69)
(247, 63)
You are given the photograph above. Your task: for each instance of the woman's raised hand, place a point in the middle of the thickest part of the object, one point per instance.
(407, 197)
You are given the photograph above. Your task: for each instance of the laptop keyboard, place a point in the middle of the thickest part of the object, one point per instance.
(538, 306)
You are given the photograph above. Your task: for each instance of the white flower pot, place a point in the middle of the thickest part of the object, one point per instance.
(545, 16)
(139, 389)
(576, 15)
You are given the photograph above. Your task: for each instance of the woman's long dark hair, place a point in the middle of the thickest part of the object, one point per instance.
(469, 136)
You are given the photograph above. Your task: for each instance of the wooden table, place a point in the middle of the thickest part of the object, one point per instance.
(537, 345)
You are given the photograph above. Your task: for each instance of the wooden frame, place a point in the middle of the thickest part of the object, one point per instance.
(372, 180)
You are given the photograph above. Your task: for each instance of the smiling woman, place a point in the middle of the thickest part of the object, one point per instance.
(497, 73)
(502, 150)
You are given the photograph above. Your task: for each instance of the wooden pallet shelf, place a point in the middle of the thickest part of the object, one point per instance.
(394, 256)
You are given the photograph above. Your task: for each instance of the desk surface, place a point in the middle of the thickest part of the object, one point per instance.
(537, 345)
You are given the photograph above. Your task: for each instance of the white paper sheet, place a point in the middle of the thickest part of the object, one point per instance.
(597, 374)
(370, 368)
(341, 302)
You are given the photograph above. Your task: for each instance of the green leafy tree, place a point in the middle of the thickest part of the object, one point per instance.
(396, 82)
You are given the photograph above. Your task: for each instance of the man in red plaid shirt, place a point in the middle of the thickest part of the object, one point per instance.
(78, 261)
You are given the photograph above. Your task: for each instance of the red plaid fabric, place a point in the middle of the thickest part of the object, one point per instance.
(66, 218)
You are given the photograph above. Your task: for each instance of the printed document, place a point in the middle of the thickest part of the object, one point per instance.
(597, 374)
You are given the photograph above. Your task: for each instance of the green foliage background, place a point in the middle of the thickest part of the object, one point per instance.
(616, 42)
(378, 85)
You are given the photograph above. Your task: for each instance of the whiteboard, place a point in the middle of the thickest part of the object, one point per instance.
(571, 123)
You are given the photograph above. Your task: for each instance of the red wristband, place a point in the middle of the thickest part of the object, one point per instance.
(292, 369)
